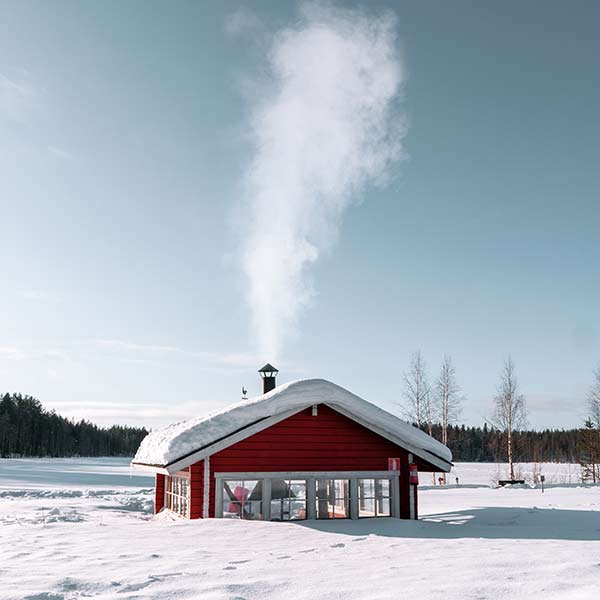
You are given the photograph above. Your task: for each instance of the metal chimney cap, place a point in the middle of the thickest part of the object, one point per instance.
(268, 368)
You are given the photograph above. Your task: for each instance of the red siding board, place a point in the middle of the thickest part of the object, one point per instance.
(159, 493)
(196, 489)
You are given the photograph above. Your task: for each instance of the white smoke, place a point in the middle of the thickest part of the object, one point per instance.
(325, 125)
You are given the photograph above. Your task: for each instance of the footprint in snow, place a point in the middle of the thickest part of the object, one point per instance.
(135, 587)
(340, 545)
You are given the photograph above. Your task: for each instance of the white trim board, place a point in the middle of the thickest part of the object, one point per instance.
(308, 474)
(206, 486)
(150, 468)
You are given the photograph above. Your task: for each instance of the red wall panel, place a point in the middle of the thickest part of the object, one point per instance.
(159, 493)
(196, 489)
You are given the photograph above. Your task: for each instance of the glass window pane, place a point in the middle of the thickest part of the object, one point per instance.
(253, 489)
(383, 487)
(276, 510)
(252, 511)
(332, 498)
(341, 508)
(367, 509)
(279, 488)
(232, 510)
(229, 488)
(383, 507)
(322, 493)
(297, 510)
(177, 491)
(297, 489)
(288, 499)
(367, 487)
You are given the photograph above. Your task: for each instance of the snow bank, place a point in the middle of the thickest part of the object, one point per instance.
(164, 446)
(479, 543)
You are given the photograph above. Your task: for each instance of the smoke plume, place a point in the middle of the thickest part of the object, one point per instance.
(324, 125)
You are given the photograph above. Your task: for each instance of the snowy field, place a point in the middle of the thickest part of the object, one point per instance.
(83, 528)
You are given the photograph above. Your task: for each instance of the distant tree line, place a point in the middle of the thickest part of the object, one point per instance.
(435, 407)
(28, 429)
(487, 444)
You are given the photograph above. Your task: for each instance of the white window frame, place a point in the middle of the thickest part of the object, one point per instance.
(178, 499)
(311, 478)
(259, 482)
(346, 498)
(267, 483)
(374, 497)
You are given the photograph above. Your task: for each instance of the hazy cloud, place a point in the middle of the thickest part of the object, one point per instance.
(17, 96)
(60, 153)
(130, 349)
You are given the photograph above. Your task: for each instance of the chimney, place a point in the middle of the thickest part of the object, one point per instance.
(268, 374)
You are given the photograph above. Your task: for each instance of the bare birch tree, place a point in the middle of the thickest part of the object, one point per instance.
(417, 393)
(510, 413)
(594, 400)
(447, 397)
(589, 443)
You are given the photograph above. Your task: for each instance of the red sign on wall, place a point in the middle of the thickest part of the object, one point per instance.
(393, 464)
(413, 474)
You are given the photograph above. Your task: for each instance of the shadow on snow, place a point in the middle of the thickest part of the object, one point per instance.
(486, 522)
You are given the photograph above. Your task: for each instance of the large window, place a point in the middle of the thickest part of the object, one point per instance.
(177, 494)
(288, 499)
(333, 498)
(242, 499)
(299, 495)
(373, 497)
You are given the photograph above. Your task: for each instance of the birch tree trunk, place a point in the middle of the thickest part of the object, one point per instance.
(511, 411)
(447, 398)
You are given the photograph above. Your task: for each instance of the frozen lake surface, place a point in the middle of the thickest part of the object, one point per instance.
(75, 528)
(78, 473)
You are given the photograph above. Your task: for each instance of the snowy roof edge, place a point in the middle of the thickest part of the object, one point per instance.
(175, 442)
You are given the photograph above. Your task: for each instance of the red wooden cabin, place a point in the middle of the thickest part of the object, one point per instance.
(305, 450)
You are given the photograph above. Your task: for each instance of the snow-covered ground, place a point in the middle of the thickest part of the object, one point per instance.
(83, 528)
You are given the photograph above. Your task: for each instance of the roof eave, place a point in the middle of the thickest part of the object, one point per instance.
(237, 436)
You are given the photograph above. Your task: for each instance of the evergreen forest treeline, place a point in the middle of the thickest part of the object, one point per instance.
(485, 444)
(28, 429)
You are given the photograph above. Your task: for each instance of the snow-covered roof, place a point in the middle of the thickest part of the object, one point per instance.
(170, 444)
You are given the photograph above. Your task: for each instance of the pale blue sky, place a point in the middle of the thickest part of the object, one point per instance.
(122, 145)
